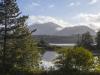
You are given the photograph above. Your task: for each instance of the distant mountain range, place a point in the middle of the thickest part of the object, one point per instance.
(50, 32)
(68, 31)
(53, 29)
(45, 29)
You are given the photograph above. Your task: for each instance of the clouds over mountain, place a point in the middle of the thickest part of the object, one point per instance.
(91, 20)
(86, 19)
(45, 19)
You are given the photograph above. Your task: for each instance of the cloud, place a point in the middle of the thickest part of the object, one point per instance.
(93, 2)
(74, 4)
(35, 4)
(87, 19)
(45, 19)
(51, 6)
(78, 3)
(91, 20)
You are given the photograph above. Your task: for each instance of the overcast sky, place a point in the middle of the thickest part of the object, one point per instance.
(63, 12)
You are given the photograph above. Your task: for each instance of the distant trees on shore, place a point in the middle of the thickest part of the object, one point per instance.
(89, 42)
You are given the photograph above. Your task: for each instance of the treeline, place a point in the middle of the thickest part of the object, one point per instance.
(88, 41)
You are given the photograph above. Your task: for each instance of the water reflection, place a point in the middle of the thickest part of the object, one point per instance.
(49, 56)
(47, 59)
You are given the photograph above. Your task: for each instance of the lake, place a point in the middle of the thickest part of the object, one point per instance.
(48, 58)
(67, 45)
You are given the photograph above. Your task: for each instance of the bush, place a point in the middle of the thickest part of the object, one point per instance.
(75, 59)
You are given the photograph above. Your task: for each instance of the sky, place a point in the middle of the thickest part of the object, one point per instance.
(62, 12)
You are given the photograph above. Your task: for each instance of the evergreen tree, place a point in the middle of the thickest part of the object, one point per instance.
(43, 46)
(98, 40)
(42, 43)
(86, 41)
(9, 11)
(26, 47)
(17, 49)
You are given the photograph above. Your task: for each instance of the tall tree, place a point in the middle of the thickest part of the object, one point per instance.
(17, 49)
(98, 39)
(8, 14)
(86, 41)
(27, 53)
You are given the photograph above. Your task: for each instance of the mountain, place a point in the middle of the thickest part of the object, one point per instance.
(52, 29)
(45, 28)
(69, 31)
(48, 32)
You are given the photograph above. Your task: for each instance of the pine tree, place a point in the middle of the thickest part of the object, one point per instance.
(98, 40)
(16, 43)
(26, 47)
(9, 11)
(86, 41)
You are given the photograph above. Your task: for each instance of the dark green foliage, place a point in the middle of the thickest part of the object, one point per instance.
(18, 51)
(86, 41)
(8, 14)
(42, 43)
(76, 59)
(27, 53)
(43, 46)
(98, 40)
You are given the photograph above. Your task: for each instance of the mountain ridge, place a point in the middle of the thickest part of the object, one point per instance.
(50, 28)
(75, 30)
(45, 28)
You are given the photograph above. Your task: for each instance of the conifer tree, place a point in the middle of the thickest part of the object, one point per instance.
(9, 11)
(26, 47)
(86, 41)
(98, 40)
(15, 48)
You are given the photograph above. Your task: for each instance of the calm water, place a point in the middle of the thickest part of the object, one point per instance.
(48, 58)
(71, 44)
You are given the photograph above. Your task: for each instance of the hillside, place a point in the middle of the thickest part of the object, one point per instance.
(45, 28)
(48, 32)
(69, 31)
(56, 30)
